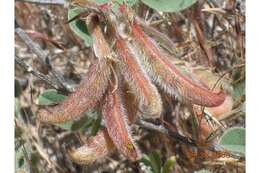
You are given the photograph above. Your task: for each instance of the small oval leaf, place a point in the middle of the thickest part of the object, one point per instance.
(77, 125)
(65, 126)
(155, 161)
(234, 140)
(50, 97)
(169, 6)
(18, 89)
(79, 27)
(96, 124)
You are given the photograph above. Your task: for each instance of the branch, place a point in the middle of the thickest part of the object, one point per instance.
(32, 45)
(37, 74)
(183, 139)
(162, 129)
(43, 57)
(45, 2)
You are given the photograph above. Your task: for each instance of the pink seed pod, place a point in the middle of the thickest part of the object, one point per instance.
(86, 97)
(100, 45)
(96, 147)
(149, 99)
(117, 125)
(167, 76)
(99, 146)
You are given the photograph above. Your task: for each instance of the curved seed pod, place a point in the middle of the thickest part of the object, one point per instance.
(96, 147)
(117, 125)
(210, 79)
(86, 97)
(101, 145)
(207, 79)
(100, 46)
(146, 93)
(166, 75)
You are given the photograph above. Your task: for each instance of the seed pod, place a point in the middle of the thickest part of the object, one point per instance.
(96, 147)
(117, 125)
(166, 75)
(131, 103)
(146, 93)
(100, 46)
(101, 145)
(210, 79)
(89, 92)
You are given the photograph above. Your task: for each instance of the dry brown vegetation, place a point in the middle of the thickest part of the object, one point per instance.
(205, 42)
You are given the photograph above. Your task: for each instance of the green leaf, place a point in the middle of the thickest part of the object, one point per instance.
(168, 165)
(239, 90)
(79, 27)
(77, 125)
(100, 2)
(169, 5)
(20, 158)
(18, 89)
(234, 140)
(73, 125)
(155, 161)
(90, 119)
(128, 2)
(147, 162)
(18, 132)
(50, 97)
(34, 162)
(65, 126)
(20, 162)
(96, 124)
(17, 107)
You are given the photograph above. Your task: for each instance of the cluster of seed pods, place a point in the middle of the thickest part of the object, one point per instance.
(138, 62)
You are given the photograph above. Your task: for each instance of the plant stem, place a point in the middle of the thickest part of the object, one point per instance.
(45, 2)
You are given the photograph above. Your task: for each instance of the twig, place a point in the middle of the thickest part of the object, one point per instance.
(183, 139)
(33, 72)
(32, 45)
(28, 160)
(43, 57)
(45, 2)
(167, 132)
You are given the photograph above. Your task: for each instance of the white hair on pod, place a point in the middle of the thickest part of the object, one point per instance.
(149, 98)
(116, 121)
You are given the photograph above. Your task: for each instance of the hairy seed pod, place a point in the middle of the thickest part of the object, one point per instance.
(130, 102)
(166, 75)
(101, 145)
(100, 46)
(142, 87)
(96, 147)
(117, 125)
(87, 95)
